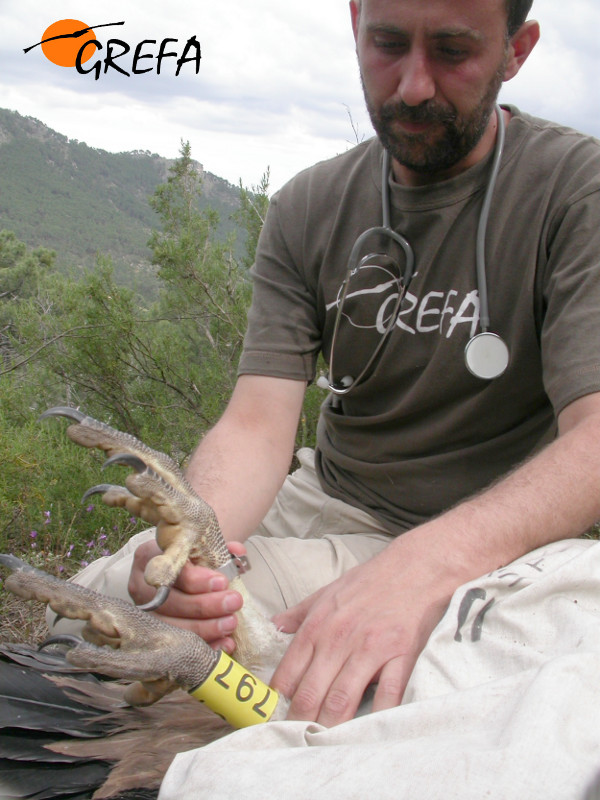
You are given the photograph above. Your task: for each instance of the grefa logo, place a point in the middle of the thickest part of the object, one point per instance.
(72, 43)
(373, 292)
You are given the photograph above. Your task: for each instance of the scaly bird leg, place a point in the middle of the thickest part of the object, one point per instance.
(123, 642)
(157, 492)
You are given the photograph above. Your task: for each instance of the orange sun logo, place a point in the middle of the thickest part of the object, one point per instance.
(62, 41)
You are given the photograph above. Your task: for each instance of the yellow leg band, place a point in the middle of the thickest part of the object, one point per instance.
(236, 695)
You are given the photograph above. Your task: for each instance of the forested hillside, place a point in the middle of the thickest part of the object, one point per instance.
(161, 367)
(61, 194)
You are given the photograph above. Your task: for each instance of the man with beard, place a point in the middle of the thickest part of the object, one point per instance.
(425, 475)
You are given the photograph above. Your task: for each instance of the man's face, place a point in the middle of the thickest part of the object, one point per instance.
(431, 72)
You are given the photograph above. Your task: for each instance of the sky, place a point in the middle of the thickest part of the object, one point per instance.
(278, 84)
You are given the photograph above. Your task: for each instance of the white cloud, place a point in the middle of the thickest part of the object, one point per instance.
(275, 84)
(559, 81)
(272, 90)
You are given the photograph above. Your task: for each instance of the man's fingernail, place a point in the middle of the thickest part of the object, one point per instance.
(218, 583)
(231, 603)
(227, 625)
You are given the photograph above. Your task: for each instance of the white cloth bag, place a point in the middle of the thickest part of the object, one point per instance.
(504, 703)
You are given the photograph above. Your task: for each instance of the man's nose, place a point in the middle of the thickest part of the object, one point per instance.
(416, 84)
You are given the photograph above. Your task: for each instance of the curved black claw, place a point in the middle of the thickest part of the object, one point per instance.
(100, 488)
(128, 460)
(159, 598)
(64, 411)
(61, 638)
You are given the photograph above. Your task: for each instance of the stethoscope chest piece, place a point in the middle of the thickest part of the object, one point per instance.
(486, 355)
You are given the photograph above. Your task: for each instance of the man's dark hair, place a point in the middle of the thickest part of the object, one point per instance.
(517, 14)
(517, 11)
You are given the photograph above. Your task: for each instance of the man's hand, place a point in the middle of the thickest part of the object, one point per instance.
(368, 626)
(200, 600)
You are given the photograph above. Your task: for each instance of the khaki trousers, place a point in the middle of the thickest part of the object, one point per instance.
(306, 541)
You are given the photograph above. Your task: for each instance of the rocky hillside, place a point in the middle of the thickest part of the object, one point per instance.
(59, 193)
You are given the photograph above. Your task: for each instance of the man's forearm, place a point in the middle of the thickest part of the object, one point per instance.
(239, 466)
(376, 618)
(555, 495)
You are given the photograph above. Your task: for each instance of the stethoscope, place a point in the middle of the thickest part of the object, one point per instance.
(486, 353)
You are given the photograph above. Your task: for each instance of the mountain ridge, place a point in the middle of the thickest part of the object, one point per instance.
(79, 201)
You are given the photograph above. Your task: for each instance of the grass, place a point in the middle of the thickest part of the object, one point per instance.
(55, 544)
(42, 518)
(23, 621)
(54, 547)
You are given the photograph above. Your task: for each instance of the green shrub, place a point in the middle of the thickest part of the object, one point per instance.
(44, 477)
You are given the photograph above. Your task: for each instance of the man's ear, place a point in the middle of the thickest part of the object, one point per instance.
(520, 46)
(355, 16)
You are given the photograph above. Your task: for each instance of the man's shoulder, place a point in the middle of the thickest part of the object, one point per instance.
(563, 158)
(360, 166)
(543, 133)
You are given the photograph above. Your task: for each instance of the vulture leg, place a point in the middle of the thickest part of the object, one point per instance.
(120, 640)
(157, 492)
(123, 642)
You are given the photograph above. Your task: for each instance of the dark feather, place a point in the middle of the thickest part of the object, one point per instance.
(44, 781)
(28, 699)
(50, 660)
(68, 735)
(34, 713)
(32, 746)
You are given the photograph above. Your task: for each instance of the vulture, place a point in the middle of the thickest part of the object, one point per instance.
(104, 715)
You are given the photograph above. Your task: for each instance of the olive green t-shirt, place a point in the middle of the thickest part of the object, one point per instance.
(422, 433)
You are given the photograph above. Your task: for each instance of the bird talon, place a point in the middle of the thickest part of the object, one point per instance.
(64, 411)
(14, 563)
(100, 488)
(159, 598)
(61, 638)
(128, 460)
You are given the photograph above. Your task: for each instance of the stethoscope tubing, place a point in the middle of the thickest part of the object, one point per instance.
(484, 311)
(345, 384)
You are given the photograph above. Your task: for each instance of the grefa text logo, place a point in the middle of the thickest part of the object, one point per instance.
(373, 292)
(72, 43)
